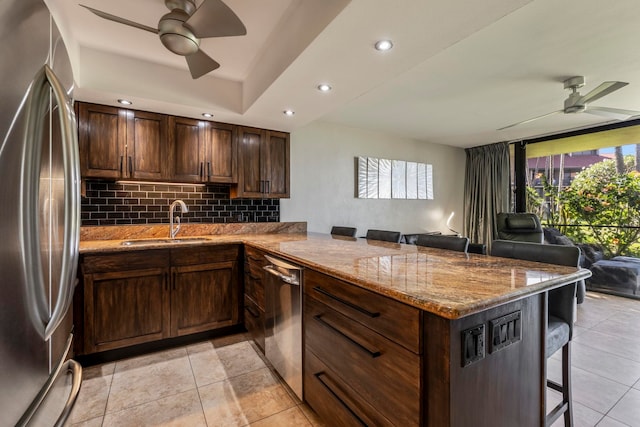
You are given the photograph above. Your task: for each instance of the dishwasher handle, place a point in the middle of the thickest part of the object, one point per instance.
(290, 279)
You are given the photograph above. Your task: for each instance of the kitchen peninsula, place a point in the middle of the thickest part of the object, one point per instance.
(401, 335)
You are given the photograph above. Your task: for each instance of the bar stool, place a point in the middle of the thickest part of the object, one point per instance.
(384, 235)
(560, 313)
(452, 243)
(337, 230)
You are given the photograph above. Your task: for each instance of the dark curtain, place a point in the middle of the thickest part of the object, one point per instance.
(486, 190)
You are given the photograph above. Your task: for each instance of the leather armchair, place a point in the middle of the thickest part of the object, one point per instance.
(521, 227)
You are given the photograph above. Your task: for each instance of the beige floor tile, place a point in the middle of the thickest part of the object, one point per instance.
(292, 417)
(590, 315)
(180, 410)
(628, 348)
(590, 390)
(239, 358)
(148, 378)
(244, 399)
(93, 422)
(605, 364)
(92, 400)
(205, 363)
(627, 410)
(582, 416)
(610, 422)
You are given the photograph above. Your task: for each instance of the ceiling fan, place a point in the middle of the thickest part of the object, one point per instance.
(181, 29)
(577, 103)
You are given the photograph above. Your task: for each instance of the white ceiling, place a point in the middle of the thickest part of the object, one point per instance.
(459, 69)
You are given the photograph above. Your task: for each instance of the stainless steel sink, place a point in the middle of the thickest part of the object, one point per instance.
(140, 242)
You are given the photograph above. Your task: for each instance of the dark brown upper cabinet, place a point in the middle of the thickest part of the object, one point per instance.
(202, 151)
(263, 164)
(117, 143)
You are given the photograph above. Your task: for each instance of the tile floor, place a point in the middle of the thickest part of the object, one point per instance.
(226, 382)
(222, 382)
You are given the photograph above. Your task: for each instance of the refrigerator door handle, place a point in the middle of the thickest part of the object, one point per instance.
(38, 106)
(68, 366)
(76, 373)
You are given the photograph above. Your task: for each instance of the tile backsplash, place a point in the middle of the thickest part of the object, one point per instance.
(116, 203)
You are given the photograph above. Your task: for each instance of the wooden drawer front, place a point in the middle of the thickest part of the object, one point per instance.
(334, 400)
(385, 374)
(130, 260)
(254, 321)
(254, 287)
(204, 254)
(394, 320)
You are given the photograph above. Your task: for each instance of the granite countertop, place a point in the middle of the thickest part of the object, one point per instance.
(447, 283)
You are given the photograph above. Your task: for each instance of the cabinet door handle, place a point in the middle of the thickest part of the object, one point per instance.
(372, 353)
(268, 186)
(208, 170)
(326, 385)
(261, 186)
(130, 166)
(201, 170)
(121, 164)
(347, 303)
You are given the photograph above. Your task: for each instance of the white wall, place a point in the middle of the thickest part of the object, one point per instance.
(323, 181)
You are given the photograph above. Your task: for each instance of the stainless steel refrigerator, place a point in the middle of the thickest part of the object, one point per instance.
(39, 218)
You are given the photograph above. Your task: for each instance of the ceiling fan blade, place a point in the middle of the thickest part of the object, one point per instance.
(200, 64)
(215, 19)
(604, 89)
(531, 120)
(614, 113)
(119, 20)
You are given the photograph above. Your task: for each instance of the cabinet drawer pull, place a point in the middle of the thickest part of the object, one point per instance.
(268, 187)
(208, 170)
(201, 170)
(130, 167)
(319, 376)
(372, 353)
(121, 164)
(347, 303)
(252, 311)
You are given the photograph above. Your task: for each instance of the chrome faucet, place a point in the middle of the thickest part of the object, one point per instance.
(174, 230)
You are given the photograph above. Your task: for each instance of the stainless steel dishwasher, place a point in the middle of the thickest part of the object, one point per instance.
(283, 320)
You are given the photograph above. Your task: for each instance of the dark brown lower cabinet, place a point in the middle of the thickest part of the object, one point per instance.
(204, 297)
(142, 296)
(254, 298)
(365, 366)
(352, 371)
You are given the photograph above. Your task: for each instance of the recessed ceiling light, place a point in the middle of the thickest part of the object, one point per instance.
(125, 102)
(383, 45)
(207, 115)
(324, 87)
(288, 113)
